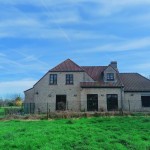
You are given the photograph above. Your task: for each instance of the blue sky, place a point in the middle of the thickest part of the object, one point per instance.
(37, 35)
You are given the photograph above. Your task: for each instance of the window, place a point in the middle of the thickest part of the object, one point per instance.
(145, 101)
(112, 102)
(110, 76)
(69, 78)
(53, 79)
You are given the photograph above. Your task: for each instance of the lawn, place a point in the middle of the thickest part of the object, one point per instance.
(2, 110)
(97, 133)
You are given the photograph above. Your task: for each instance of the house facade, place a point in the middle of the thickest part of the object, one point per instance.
(69, 86)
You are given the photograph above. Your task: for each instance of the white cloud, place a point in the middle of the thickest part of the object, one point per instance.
(121, 46)
(143, 66)
(25, 64)
(18, 86)
(35, 29)
(102, 7)
(48, 22)
(114, 6)
(52, 2)
(44, 24)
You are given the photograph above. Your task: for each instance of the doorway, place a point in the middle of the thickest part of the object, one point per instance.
(61, 102)
(112, 102)
(92, 102)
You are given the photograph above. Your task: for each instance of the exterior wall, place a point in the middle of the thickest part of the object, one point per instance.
(132, 101)
(109, 70)
(76, 96)
(29, 96)
(29, 101)
(47, 93)
(102, 97)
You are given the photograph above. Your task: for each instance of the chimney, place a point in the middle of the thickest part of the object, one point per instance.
(114, 64)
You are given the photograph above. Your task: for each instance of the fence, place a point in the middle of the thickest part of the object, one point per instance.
(11, 110)
(74, 106)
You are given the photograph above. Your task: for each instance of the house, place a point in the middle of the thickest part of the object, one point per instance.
(69, 86)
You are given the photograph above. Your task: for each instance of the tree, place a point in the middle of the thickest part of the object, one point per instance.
(18, 101)
(12, 100)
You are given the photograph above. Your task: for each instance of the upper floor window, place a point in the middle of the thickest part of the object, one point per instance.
(110, 77)
(69, 78)
(53, 79)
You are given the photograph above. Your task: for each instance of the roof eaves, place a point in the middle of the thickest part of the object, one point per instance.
(137, 91)
(101, 86)
(68, 71)
(28, 89)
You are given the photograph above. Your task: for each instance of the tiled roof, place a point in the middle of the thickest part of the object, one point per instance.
(135, 82)
(130, 81)
(95, 72)
(67, 65)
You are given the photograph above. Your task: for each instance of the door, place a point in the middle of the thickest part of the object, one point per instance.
(92, 102)
(61, 102)
(112, 102)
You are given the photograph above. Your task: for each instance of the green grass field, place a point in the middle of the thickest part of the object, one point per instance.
(118, 133)
(2, 110)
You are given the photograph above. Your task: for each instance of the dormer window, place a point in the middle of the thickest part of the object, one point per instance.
(110, 77)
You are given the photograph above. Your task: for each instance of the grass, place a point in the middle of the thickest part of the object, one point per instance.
(2, 110)
(96, 133)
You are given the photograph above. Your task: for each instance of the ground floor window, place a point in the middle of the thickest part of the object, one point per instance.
(112, 102)
(61, 102)
(145, 101)
(92, 102)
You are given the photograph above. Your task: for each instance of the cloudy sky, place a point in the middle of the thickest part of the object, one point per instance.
(36, 35)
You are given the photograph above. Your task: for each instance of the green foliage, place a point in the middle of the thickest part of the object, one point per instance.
(96, 133)
(18, 101)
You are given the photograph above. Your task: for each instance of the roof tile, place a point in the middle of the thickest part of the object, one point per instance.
(130, 81)
(135, 82)
(67, 65)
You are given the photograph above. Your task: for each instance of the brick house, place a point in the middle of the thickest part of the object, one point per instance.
(69, 86)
